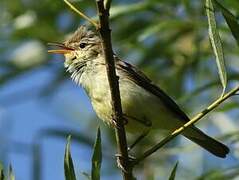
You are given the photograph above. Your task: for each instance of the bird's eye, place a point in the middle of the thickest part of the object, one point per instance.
(82, 45)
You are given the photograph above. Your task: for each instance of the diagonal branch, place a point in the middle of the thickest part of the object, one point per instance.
(81, 14)
(117, 115)
(185, 126)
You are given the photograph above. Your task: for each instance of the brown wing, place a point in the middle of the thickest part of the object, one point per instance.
(142, 80)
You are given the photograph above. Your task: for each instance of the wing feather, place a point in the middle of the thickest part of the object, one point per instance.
(142, 80)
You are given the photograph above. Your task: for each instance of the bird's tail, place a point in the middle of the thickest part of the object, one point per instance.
(206, 142)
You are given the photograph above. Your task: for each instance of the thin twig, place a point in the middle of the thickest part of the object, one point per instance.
(188, 124)
(81, 14)
(117, 114)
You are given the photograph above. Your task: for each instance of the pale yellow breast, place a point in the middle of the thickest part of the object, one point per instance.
(140, 107)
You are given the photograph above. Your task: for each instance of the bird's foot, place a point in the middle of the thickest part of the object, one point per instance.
(116, 124)
(119, 160)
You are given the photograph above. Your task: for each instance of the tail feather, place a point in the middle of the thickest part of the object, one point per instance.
(206, 142)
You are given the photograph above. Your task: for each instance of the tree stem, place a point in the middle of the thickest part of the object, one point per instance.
(117, 115)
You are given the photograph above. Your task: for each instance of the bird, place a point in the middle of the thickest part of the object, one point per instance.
(145, 105)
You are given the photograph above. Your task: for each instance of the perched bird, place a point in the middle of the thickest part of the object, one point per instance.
(145, 106)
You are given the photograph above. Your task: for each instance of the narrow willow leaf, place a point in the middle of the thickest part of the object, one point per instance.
(230, 137)
(96, 158)
(216, 43)
(1, 172)
(173, 173)
(68, 163)
(223, 174)
(165, 25)
(228, 107)
(231, 21)
(116, 11)
(10, 173)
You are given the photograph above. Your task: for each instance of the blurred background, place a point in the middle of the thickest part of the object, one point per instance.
(168, 40)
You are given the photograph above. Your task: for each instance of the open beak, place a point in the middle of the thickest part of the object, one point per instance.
(63, 49)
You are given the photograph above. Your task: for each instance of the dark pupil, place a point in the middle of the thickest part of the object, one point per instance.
(82, 45)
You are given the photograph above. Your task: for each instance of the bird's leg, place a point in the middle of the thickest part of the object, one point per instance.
(125, 121)
(119, 157)
(138, 139)
(130, 158)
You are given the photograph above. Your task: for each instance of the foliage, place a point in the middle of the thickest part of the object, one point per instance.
(216, 43)
(96, 158)
(68, 163)
(168, 40)
(10, 175)
(173, 173)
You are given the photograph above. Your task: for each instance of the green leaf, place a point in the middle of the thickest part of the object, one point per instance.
(222, 174)
(216, 43)
(228, 107)
(68, 163)
(10, 173)
(162, 26)
(96, 158)
(230, 137)
(1, 172)
(231, 21)
(173, 173)
(116, 11)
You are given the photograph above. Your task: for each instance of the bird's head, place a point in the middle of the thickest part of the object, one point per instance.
(84, 45)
